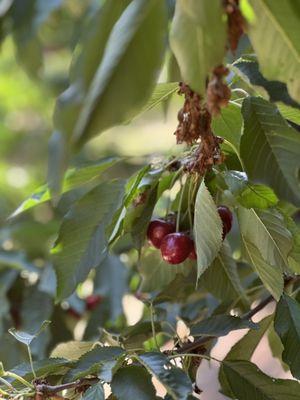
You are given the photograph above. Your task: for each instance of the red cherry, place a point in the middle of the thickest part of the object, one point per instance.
(193, 254)
(176, 247)
(92, 301)
(226, 217)
(73, 313)
(157, 230)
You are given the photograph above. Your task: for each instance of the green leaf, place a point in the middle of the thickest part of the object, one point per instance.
(74, 178)
(91, 362)
(85, 64)
(27, 338)
(95, 392)
(229, 125)
(175, 381)
(133, 382)
(228, 285)
(71, 350)
(257, 196)
(290, 113)
(134, 336)
(201, 24)
(36, 307)
(294, 254)
(244, 349)
(270, 148)
(140, 203)
(277, 21)
(111, 282)
(16, 260)
(276, 346)
(177, 290)
(207, 229)
(156, 273)
(287, 326)
(161, 93)
(42, 368)
(81, 244)
(270, 275)
(246, 381)
(220, 325)
(247, 69)
(143, 21)
(267, 231)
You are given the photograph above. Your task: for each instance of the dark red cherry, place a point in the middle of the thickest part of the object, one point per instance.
(73, 313)
(92, 301)
(176, 247)
(193, 254)
(226, 217)
(157, 230)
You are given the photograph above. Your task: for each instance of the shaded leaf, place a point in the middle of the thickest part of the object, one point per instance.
(156, 273)
(36, 307)
(228, 285)
(175, 381)
(81, 244)
(244, 348)
(95, 392)
(27, 338)
(91, 362)
(247, 69)
(133, 382)
(125, 55)
(73, 179)
(42, 368)
(287, 326)
(246, 381)
(111, 282)
(276, 346)
(220, 325)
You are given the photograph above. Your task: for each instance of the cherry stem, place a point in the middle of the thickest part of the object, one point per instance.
(171, 185)
(190, 204)
(179, 206)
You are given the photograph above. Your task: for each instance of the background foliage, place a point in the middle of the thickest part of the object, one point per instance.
(73, 250)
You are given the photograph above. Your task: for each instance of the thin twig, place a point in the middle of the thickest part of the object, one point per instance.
(205, 339)
(48, 389)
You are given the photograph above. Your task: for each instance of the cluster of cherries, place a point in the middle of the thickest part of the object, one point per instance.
(176, 247)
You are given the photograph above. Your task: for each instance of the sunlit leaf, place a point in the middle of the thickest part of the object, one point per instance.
(207, 229)
(270, 148)
(201, 24)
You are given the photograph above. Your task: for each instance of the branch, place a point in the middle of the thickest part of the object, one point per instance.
(187, 348)
(45, 389)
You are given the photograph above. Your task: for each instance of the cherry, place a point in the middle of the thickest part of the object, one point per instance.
(157, 230)
(193, 254)
(176, 247)
(73, 313)
(92, 301)
(226, 217)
